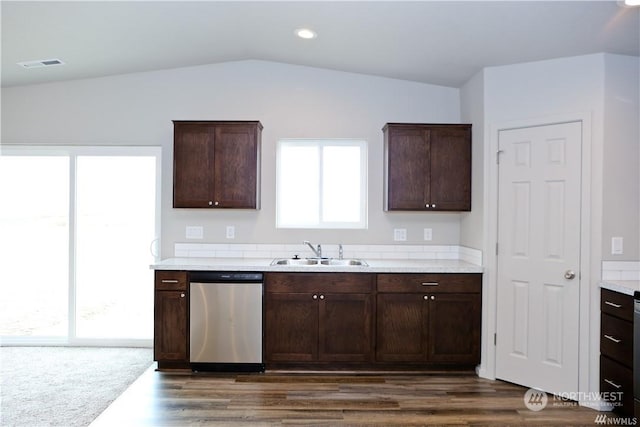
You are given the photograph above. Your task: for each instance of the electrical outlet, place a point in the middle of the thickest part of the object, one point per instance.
(231, 232)
(617, 246)
(194, 232)
(399, 234)
(428, 234)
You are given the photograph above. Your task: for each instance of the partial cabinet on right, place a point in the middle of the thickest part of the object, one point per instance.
(429, 319)
(616, 350)
(427, 167)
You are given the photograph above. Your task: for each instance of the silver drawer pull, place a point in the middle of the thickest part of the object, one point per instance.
(609, 337)
(612, 383)
(429, 283)
(613, 304)
(169, 281)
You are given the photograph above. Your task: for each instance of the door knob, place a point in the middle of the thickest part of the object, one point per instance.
(569, 275)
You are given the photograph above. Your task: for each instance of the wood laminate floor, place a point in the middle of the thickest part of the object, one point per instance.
(276, 398)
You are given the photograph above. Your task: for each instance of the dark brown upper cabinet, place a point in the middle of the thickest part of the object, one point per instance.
(216, 164)
(427, 167)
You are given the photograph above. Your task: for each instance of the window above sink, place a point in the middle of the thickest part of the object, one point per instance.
(321, 183)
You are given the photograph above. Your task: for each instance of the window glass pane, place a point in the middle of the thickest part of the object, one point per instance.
(115, 227)
(298, 186)
(341, 184)
(34, 245)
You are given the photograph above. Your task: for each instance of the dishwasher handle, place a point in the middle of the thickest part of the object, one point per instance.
(225, 276)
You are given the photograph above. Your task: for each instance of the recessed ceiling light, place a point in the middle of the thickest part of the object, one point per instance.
(41, 63)
(629, 3)
(305, 33)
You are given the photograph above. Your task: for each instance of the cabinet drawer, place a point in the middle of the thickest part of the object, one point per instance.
(432, 283)
(319, 282)
(616, 304)
(171, 280)
(616, 339)
(617, 382)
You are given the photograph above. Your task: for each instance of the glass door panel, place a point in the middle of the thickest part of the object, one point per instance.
(115, 217)
(34, 246)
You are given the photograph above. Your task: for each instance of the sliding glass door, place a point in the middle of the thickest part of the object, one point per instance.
(76, 231)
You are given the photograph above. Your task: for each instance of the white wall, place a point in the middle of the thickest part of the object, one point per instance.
(621, 157)
(290, 101)
(603, 91)
(472, 111)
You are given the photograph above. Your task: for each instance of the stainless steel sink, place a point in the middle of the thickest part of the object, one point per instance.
(315, 262)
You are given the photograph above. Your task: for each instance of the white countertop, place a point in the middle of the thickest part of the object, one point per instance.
(627, 287)
(375, 266)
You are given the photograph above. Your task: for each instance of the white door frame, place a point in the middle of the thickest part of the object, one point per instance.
(590, 248)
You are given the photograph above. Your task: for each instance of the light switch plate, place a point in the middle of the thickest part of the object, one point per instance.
(428, 234)
(399, 234)
(231, 232)
(617, 246)
(194, 232)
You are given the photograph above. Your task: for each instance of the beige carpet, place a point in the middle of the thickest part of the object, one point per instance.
(64, 386)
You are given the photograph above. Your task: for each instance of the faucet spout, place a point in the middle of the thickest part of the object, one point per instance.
(317, 251)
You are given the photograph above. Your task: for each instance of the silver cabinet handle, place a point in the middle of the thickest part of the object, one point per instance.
(609, 337)
(433, 205)
(169, 281)
(210, 203)
(321, 296)
(613, 304)
(433, 297)
(315, 297)
(426, 297)
(427, 205)
(612, 383)
(429, 283)
(182, 295)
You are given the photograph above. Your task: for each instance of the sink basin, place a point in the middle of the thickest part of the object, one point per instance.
(314, 262)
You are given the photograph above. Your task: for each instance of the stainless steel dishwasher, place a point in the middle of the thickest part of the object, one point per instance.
(225, 328)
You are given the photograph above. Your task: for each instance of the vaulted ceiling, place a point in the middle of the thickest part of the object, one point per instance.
(439, 42)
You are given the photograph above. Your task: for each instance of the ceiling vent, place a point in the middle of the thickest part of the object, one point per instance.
(41, 63)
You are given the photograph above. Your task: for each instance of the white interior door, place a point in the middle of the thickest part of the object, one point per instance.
(538, 285)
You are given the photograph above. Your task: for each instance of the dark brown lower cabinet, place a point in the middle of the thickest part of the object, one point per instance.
(331, 320)
(428, 319)
(616, 350)
(171, 320)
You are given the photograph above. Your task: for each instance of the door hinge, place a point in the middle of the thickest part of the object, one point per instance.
(495, 339)
(498, 156)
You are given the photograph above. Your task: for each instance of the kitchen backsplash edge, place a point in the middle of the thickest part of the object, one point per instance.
(412, 252)
(620, 270)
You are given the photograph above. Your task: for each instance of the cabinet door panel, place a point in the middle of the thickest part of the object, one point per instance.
(450, 168)
(454, 328)
(345, 332)
(235, 166)
(400, 332)
(408, 168)
(192, 162)
(170, 326)
(291, 327)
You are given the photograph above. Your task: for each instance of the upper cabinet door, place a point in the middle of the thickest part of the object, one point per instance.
(408, 167)
(192, 163)
(236, 166)
(427, 167)
(216, 164)
(451, 168)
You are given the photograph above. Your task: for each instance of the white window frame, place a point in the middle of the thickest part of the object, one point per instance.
(320, 143)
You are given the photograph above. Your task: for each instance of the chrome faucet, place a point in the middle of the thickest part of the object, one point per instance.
(317, 251)
(340, 251)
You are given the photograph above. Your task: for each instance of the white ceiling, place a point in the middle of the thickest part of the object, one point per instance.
(439, 42)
